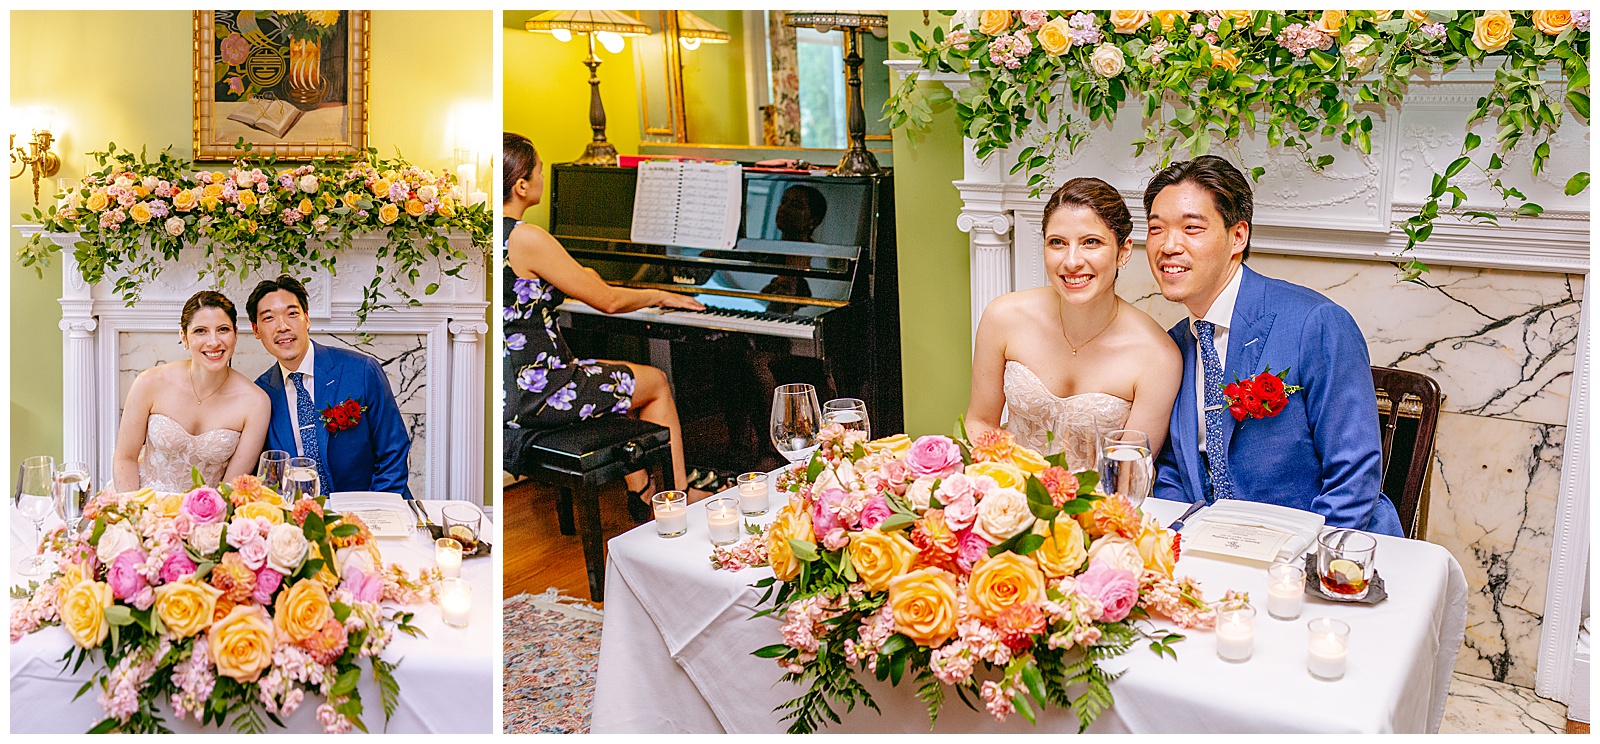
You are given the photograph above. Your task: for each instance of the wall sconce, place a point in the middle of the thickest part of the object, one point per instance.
(36, 156)
(608, 27)
(694, 30)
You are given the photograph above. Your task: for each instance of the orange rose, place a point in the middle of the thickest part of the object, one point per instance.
(1492, 30)
(305, 206)
(1002, 581)
(140, 213)
(1227, 59)
(415, 208)
(1552, 22)
(302, 610)
(388, 213)
(1129, 21)
(923, 604)
(185, 200)
(994, 22)
(380, 187)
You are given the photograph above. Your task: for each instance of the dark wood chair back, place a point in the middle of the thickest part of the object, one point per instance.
(1408, 416)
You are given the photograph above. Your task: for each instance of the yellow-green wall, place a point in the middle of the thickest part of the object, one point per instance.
(714, 104)
(125, 77)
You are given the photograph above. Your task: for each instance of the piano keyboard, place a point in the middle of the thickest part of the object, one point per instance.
(743, 321)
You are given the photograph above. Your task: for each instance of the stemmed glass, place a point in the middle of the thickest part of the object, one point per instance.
(72, 488)
(850, 413)
(300, 479)
(32, 498)
(1078, 436)
(1126, 466)
(273, 466)
(796, 420)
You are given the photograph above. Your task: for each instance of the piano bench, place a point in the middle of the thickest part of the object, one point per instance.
(583, 458)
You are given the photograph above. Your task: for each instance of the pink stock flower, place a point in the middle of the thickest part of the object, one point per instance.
(934, 455)
(1116, 590)
(176, 567)
(204, 506)
(124, 576)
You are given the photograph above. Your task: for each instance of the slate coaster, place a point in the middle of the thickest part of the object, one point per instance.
(1375, 590)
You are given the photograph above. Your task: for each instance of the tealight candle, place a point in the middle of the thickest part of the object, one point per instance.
(672, 513)
(1327, 648)
(723, 521)
(455, 602)
(1236, 631)
(447, 553)
(753, 494)
(1286, 590)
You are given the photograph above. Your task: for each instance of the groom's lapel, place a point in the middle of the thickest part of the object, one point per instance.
(1251, 324)
(326, 373)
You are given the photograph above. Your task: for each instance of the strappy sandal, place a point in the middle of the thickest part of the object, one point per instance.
(639, 502)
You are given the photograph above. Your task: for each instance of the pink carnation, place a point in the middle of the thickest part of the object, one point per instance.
(1116, 590)
(176, 567)
(934, 455)
(124, 576)
(204, 506)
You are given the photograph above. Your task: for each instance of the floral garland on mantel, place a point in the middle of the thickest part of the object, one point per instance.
(135, 214)
(1300, 75)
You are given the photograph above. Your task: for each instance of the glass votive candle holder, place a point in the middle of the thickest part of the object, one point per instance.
(1236, 631)
(455, 602)
(1344, 562)
(1286, 590)
(752, 494)
(447, 553)
(672, 512)
(723, 521)
(1327, 648)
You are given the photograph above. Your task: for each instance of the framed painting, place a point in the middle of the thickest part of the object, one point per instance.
(292, 83)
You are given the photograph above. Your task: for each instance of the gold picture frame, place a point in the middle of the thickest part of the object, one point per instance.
(293, 84)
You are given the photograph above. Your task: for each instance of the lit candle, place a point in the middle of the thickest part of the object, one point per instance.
(723, 521)
(455, 602)
(1236, 631)
(753, 494)
(467, 176)
(1327, 648)
(672, 513)
(1286, 589)
(447, 553)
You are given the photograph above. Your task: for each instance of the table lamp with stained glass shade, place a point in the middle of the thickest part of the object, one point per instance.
(610, 26)
(857, 160)
(694, 31)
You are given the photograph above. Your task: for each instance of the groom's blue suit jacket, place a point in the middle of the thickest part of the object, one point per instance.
(1322, 453)
(371, 456)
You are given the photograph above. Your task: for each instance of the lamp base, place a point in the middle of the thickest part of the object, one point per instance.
(857, 162)
(598, 153)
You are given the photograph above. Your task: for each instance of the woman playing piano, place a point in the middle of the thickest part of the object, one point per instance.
(546, 386)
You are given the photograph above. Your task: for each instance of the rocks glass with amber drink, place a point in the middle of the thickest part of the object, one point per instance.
(1344, 562)
(461, 522)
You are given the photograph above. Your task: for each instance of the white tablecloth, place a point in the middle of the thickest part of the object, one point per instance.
(675, 654)
(447, 679)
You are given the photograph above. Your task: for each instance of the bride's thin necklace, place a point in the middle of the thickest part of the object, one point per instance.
(1115, 308)
(196, 391)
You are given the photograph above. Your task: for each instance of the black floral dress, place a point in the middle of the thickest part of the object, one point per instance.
(545, 386)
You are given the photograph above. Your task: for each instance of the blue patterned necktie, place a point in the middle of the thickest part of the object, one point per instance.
(306, 411)
(1216, 444)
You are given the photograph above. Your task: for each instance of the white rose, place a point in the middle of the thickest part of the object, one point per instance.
(242, 178)
(1119, 552)
(308, 183)
(286, 548)
(1002, 514)
(1107, 60)
(1358, 53)
(174, 226)
(356, 556)
(150, 183)
(920, 492)
(114, 541)
(427, 193)
(206, 538)
(825, 480)
(847, 475)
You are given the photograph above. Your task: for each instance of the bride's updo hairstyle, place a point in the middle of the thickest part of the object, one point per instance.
(207, 298)
(1097, 196)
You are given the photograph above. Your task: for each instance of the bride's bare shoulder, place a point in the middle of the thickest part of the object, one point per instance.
(1021, 304)
(1149, 334)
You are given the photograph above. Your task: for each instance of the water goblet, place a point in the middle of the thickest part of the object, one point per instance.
(1126, 466)
(850, 413)
(796, 420)
(300, 479)
(71, 489)
(32, 497)
(271, 468)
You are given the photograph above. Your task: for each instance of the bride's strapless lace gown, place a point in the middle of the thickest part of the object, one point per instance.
(170, 451)
(1033, 410)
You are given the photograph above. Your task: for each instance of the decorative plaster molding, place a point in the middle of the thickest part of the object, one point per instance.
(1569, 549)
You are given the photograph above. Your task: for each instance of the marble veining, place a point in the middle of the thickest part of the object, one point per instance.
(1481, 706)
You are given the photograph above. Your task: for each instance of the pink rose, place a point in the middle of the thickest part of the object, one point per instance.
(242, 530)
(836, 539)
(1116, 590)
(267, 582)
(934, 455)
(254, 553)
(182, 525)
(204, 506)
(876, 510)
(971, 547)
(1033, 19)
(363, 588)
(897, 474)
(825, 517)
(143, 598)
(177, 566)
(124, 576)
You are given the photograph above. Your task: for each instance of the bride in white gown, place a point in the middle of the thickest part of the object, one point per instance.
(196, 413)
(1073, 347)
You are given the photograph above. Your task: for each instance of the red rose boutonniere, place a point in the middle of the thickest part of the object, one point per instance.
(1262, 396)
(343, 416)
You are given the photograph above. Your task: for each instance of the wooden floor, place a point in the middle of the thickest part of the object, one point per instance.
(537, 555)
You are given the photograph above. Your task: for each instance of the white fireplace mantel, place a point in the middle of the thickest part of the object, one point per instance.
(451, 322)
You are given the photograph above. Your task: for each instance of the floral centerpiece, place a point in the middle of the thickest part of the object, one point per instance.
(135, 214)
(226, 603)
(939, 559)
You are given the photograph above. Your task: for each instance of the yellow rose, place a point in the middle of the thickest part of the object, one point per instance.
(168, 504)
(1054, 37)
(209, 202)
(305, 206)
(923, 604)
(1002, 581)
(242, 643)
(898, 445)
(350, 199)
(1239, 18)
(186, 607)
(98, 200)
(388, 213)
(1005, 474)
(1416, 16)
(83, 612)
(1227, 59)
(1169, 19)
(1492, 30)
(994, 22)
(1379, 16)
(272, 512)
(447, 208)
(1129, 21)
(327, 576)
(247, 198)
(1552, 22)
(878, 557)
(415, 208)
(72, 574)
(380, 187)
(302, 610)
(1155, 547)
(1029, 461)
(323, 17)
(791, 522)
(184, 200)
(1330, 22)
(1063, 551)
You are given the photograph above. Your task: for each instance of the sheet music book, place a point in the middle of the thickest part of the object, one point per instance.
(694, 205)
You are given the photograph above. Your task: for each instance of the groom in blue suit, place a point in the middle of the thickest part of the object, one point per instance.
(1320, 453)
(309, 380)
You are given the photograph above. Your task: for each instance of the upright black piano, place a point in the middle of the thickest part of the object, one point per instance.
(808, 293)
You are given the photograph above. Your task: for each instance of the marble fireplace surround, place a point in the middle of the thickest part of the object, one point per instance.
(1505, 308)
(434, 354)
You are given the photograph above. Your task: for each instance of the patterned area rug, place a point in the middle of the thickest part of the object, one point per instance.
(552, 653)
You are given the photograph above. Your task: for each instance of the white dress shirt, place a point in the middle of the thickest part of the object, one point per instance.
(307, 365)
(1221, 315)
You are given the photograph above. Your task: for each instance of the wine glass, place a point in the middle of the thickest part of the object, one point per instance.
(796, 420)
(300, 479)
(1126, 467)
(850, 413)
(32, 498)
(72, 489)
(271, 468)
(1077, 436)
